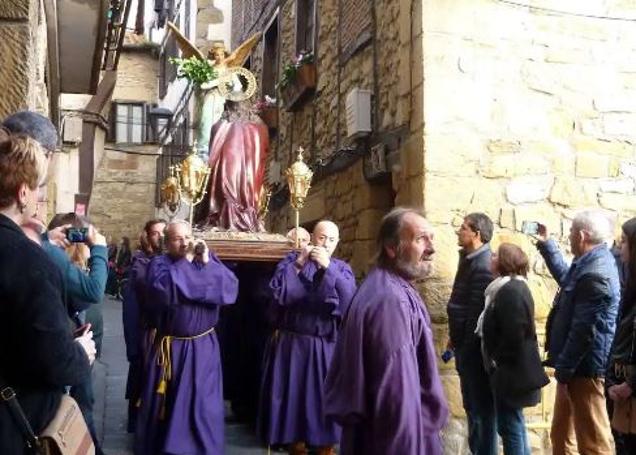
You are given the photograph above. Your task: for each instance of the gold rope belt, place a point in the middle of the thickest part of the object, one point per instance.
(164, 359)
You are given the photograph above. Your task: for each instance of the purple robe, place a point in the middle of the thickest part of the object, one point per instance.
(311, 305)
(384, 360)
(189, 417)
(136, 333)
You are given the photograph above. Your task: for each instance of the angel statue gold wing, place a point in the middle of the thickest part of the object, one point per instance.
(231, 82)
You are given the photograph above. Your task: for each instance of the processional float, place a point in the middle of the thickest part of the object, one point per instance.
(217, 80)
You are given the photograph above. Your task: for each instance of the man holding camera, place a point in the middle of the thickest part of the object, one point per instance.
(579, 333)
(182, 401)
(313, 291)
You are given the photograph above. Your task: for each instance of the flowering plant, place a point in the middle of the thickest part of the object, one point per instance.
(193, 69)
(263, 104)
(291, 69)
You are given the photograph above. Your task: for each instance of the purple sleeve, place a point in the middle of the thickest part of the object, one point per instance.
(401, 372)
(346, 387)
(210, 284)
(287, 288)
(336, 288)
(159, 286)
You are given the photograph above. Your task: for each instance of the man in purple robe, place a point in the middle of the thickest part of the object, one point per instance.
(138, 327)
(383, 385)
(312, 291)
(182, 401)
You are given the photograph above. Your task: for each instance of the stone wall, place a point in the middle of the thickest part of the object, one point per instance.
(529, 115)
(23, 47)
(123, 197)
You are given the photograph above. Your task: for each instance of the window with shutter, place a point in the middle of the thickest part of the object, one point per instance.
(270, 58)
(129, 123)
(305, 25)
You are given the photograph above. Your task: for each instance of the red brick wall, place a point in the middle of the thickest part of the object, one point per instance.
(250, 16)
(355, 19)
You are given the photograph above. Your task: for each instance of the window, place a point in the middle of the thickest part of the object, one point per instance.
(129, 123)
(270, 58)
(305, 25)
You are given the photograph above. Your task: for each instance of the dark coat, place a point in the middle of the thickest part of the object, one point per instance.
(467, 298)
(581, 324)
(510, 341)
(38, 356)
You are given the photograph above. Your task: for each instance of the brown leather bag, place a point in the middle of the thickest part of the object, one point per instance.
(67, 433)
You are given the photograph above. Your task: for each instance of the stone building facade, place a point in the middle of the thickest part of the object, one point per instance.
(123, 197)
(23, 47)
(524, 113)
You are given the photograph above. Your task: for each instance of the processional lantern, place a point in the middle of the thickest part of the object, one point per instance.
(192, 176)
(299, 180)
(170, 196)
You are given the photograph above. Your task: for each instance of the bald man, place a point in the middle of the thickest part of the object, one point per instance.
(313, 291)
(182, 401)
(302, 235)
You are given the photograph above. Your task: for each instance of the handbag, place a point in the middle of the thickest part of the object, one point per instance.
(66, 433)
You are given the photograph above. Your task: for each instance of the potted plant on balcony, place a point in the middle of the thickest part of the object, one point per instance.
(268, 111)
(298, 81)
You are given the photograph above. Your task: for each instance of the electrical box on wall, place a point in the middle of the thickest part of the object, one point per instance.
(358, 104)
(72, 129)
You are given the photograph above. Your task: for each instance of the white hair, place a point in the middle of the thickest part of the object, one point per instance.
(596, 223)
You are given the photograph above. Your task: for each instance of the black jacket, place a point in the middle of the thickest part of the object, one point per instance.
(510, 341)
(38, 356)
(467, 298)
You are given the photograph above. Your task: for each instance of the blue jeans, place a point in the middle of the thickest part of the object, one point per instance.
(477, 399)
(511, 426)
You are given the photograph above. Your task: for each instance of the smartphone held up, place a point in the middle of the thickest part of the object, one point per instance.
(77, 235)
(530, 227)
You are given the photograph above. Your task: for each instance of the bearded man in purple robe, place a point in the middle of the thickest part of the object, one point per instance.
(312, 291)
(139, 328)
(182, 401)
(383, 385)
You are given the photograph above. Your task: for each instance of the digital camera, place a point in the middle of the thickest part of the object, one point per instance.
(77, 235)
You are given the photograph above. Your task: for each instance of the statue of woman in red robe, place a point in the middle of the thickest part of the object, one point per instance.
(237, 154)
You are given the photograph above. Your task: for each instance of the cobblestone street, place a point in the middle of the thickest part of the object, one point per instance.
(109, 375)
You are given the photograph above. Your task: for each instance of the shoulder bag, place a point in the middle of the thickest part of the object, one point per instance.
(66, 434)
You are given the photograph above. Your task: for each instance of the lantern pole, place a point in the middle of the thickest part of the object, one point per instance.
(299, 181)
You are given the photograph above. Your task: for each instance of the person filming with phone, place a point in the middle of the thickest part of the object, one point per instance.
(79, 251)
(580, 331)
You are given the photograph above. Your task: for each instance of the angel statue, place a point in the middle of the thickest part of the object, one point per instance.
(235, 142)
(227, 83)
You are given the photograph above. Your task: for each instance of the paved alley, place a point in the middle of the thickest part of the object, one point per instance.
(111, 408)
